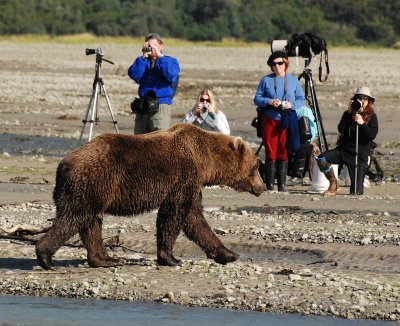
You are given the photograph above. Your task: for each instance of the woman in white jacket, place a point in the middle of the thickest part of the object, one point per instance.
(205, 114)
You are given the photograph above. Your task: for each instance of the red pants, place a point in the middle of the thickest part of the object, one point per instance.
(274, 139)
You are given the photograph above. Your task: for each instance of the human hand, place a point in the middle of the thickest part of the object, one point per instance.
(198, 109)
(358, 118)
(156, 49)
(274, 102)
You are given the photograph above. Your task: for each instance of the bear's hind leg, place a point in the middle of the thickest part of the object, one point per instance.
(169, 226)
(91, 236)
(55, 237)
(199, 231)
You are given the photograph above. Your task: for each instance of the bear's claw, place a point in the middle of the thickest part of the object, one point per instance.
(225, 256)
(45, 261)
(169, 261)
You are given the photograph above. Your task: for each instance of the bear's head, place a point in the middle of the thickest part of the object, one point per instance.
(219, 159)
(245, 168)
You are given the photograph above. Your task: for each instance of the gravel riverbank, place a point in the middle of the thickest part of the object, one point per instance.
(300, 252)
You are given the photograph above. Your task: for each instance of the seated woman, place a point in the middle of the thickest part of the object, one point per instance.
(205, 114)
(299, 160)
(358, 127)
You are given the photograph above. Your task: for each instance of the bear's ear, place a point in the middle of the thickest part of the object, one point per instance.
(236, 143)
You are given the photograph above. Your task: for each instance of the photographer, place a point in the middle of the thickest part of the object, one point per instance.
(205, 114)
(277, 96)
(359, 118)
(156, 74)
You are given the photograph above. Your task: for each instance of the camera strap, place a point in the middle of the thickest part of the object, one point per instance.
(326, 65)
(284, 87)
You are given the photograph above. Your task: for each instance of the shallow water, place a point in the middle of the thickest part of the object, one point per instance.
(32, 311)
(54, 146)
(36, 145)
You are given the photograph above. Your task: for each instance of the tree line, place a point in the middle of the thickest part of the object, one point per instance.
(340, 22)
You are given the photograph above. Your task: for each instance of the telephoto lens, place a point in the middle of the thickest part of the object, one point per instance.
(90, 51)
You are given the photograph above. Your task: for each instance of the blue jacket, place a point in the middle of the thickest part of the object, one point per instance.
(289, 121)
(266, 91)
(161, 78)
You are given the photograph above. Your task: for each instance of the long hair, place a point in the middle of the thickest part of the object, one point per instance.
(367, 112)
(210, 94)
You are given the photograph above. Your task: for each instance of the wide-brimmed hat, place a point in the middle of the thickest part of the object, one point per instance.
(276, 54)
(364, 91)
(153, 36)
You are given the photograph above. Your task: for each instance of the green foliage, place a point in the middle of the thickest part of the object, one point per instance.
(341, 22)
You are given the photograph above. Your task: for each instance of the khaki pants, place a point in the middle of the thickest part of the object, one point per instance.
(146, 122)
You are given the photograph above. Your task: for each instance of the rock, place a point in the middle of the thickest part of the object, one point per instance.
(294, 277)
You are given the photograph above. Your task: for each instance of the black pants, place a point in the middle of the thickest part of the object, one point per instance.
(338, 156)
(303, 153)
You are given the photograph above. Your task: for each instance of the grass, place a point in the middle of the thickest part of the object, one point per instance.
(86, 37)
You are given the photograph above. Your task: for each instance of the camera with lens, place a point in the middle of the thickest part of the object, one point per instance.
(356, 106)
(204, 108)
(97, 51)
(146, 49)
(280, 107)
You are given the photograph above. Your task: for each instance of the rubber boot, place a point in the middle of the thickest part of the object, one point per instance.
(298, 171)
(269, 174)
(333, 188)
(282, 167)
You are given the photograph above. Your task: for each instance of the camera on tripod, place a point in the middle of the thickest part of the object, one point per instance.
(305, 45)
(97, 51)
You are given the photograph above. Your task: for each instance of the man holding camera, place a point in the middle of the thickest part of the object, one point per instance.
(358, 127)
(158, 77)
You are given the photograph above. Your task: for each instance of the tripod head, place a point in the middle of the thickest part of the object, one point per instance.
(99, 55)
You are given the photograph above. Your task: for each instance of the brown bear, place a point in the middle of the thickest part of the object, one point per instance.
(126, 175)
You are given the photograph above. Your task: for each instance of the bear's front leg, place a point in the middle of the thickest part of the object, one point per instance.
(199, 231)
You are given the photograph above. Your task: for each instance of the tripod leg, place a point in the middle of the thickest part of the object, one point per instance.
(86, 115)
(94, 109)
(109, 108)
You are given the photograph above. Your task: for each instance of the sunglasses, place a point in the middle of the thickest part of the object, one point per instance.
(205, 100)
(273, 64)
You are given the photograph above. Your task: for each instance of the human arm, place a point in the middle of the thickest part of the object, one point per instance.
(169, 68)
(222, 123)
(263, 94)
(296, 96)
(369, 130)
(190, 117)
(345, 122)
(138, 68)
(194, 113)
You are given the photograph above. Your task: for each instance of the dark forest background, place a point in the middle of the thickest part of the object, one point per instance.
(340, 22)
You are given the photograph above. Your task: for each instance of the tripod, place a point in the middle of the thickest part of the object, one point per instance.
(98, 86)
(309, 93)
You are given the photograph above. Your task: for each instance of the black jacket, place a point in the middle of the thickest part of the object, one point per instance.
(366, 134)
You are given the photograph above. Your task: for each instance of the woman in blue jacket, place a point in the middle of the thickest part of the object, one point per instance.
(277, 94)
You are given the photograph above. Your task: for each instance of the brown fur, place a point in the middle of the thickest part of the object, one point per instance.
(127, 175)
